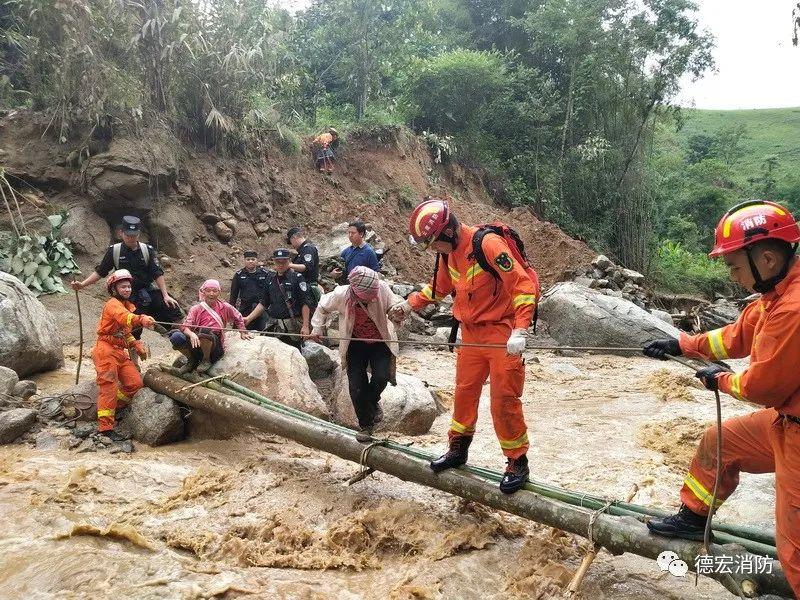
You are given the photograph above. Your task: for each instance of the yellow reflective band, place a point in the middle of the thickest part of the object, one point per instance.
(427, 292)
(454, 274)
(474, 271)
(105, 412)
(736, 387)
(523, 299)
(700, 491)
(716, 344)
(121, 396)
(515, 443)
(130, 338)
(459, 428)
(130, 318)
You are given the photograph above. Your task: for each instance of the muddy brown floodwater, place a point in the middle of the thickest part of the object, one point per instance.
(258, 516)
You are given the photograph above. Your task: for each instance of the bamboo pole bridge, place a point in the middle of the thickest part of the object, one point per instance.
(616, 526)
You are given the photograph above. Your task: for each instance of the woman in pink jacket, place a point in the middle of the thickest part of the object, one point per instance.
(362, 306)
(201, 337)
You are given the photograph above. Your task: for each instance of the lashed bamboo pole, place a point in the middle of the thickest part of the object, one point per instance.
(616, 534)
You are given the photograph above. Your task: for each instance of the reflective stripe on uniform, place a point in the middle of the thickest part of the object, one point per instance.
(105, 412)
(699, 490)
(474, 271)
(515, 443)
(524, 299)
(130, 318)
(460, 428)
(717, 346)
(427, 293)
(736, 387)
(454, 274)
(121, 396)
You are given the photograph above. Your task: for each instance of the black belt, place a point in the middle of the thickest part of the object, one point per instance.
(791, 418)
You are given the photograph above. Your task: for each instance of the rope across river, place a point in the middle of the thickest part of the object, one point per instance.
(754, 540)
(417, 342)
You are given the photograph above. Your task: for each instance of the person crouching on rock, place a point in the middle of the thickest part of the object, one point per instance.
(362, 306)
(201, 337)
(118, 378)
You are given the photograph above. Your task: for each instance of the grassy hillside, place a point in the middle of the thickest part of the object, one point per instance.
(773, 131)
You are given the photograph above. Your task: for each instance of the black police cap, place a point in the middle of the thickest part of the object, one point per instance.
(292, 232)
(131, 224)
(250, 254)
(281, 253)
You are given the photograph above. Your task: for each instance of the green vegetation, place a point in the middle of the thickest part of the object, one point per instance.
(706, 161)
(565, 103)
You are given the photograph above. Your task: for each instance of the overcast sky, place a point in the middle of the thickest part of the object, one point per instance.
(757, 66)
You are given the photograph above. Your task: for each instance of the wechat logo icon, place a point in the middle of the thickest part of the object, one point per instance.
(669, 561)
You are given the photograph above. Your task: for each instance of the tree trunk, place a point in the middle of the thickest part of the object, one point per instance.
(617, 534)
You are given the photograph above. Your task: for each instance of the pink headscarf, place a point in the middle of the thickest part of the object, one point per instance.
(208, 284)
(364, 283)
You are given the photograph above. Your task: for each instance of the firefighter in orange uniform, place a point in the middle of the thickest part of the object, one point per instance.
(117, 376)
(493, 307)
(757, 239)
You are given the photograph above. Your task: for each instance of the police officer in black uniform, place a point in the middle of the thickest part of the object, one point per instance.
(286, 301)
(247, 287)
(150, 293)
(306, 262)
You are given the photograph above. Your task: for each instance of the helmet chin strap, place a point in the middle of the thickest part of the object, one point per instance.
(762, 286)
(450, 233)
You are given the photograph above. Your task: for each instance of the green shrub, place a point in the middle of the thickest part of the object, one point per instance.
(677, 270)
(449, 89)
(39, 261)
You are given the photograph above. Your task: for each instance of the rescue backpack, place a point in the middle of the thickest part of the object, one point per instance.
(517, 248)
(515, 244)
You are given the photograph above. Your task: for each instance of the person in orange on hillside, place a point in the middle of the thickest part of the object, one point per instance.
(117, 375)
(322, 147)
(494, 304)
(757, 240)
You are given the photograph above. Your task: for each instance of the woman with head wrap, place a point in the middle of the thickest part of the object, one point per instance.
(362, 306)
(201, 337)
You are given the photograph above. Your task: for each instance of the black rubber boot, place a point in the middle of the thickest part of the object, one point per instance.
(114, 435)
(455, 456)
(191, 365)
(516, 475)
(364, 434)
(378, 415)
(686, 525)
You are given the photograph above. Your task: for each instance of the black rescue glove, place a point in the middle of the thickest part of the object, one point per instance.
(660, 348)
(708, 375)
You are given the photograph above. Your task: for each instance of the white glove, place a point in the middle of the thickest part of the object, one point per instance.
(400, 311)
(516, 343)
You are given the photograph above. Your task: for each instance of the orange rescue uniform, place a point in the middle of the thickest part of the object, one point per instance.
(323, 140)
(488, 310)
(117, 375)
(765, 441)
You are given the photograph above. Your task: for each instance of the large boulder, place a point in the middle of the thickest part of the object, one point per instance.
(131, 174)
(409, 407)
(578, 316)
(154, 419)
(173, 227)
(29, 338)
(273, 369)
(716, 315)
(322, 362)
(8, 381)
(15, 422)
(88, 231)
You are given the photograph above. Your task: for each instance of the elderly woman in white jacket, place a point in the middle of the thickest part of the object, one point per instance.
(362, 306)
